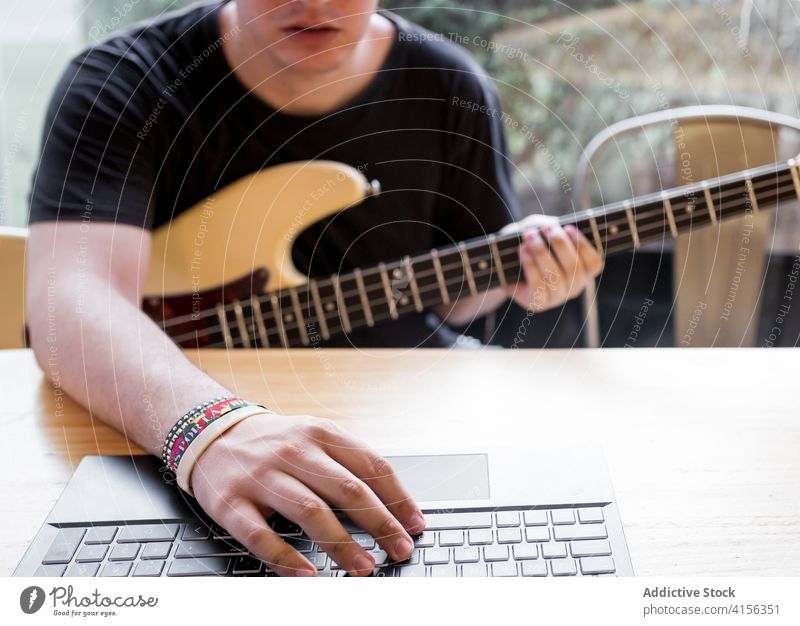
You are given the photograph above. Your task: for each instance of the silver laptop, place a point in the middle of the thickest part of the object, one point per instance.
(504, 512)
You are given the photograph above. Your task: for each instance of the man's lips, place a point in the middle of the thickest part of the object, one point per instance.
(322, 28)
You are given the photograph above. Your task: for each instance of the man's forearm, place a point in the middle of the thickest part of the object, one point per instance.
(110, 357)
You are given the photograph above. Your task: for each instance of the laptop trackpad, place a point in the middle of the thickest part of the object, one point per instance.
(444, 476)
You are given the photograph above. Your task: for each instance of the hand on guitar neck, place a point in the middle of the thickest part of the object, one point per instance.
(557, 264)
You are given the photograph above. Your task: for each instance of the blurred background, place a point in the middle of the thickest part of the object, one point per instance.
(565, 71)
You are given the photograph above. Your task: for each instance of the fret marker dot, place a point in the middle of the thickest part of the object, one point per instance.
(329, 306)
(288, 317)
(483, 265)
(404, 300)
(613, 229)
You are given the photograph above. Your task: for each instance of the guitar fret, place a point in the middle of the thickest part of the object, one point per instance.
(413, 282)
(262, 329)
(323, 323)
(341, 304)
(794, 169)
(387, 289)
(501, 274)
(362, 292)
(632, 224)
(301, 322)
(751, 192)
(239, 313)
(276, 310)
(670, 217)
(437, 266)
(598, 241)
(223, 322)
(462, 249)
(712, 212)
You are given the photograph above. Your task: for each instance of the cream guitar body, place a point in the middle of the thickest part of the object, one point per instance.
(250, 224)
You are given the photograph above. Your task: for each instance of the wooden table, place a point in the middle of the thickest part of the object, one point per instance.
(703, 445)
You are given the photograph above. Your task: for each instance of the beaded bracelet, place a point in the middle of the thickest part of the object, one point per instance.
(178, 426)
(192, 424)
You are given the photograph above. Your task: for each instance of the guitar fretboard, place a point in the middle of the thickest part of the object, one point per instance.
(312, 313)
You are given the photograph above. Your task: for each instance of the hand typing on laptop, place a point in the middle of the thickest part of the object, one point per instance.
(293, 465)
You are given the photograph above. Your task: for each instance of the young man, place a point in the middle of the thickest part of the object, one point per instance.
(149, 122)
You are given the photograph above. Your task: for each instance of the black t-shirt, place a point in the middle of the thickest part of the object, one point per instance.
(148, 122)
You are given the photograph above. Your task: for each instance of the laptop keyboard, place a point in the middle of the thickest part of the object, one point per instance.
(529, 542)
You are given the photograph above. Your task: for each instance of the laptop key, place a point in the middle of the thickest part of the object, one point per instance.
(506, 569)
(509, 535)
(206, 566)
(443, 571)
(563, 567)
(457, 521)
(124, 552)
(89, 554)
(83, 570)
(196, 531)
(318, 559)
(591, 515)
(138, 533)
(425, 540)
(246, 564)
(157, 550)
(525, 551)
(535, 518)
(537, 533)
(116, 569)
(451, 538)
(100, 535)
(595, 547)
(64, 546)
(148, 568)
(212, 547)
(381, 557)
(53, 569)
(473, 570)
(534, 568)
(507, 519)
(364, 540)
(554, 550)
(580, 531)
(302, 545)
(284, 527)
(562, 516)
(412, 571)
(466, 555)
(597, 565)
(495, 553)
(481, 537)
(436, 556)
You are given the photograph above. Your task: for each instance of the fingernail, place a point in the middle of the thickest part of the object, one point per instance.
(417, 522)
(306, 572)
(363, 563)
(403, 548)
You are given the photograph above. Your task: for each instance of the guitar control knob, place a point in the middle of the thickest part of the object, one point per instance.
(373, 188)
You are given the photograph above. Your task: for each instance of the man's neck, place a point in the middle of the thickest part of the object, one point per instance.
(304, 93)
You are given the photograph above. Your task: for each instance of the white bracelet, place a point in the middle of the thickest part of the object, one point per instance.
(207, 437)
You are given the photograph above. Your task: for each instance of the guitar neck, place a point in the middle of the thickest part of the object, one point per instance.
(325, 307)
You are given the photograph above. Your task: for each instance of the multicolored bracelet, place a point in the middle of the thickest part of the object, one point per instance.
(188, 427)
(205, 438)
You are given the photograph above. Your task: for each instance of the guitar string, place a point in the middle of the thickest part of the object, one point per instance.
(681, 220)
(565, 220)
